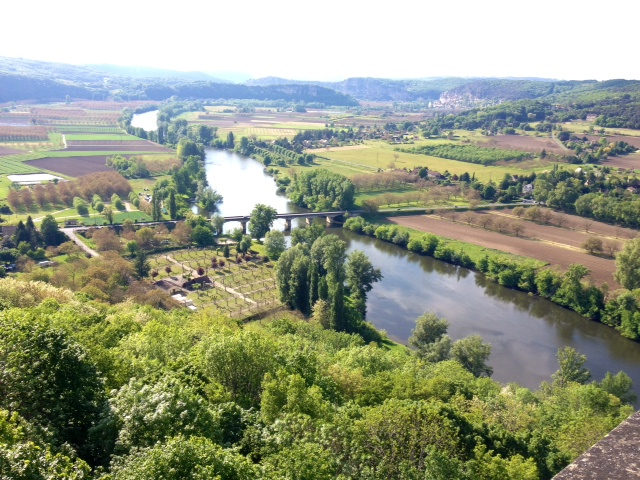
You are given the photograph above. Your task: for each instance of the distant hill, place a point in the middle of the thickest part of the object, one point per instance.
(429, 89)
(22, 79)
(148, 72)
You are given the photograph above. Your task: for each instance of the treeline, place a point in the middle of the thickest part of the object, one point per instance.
(316, 275)
(320, 190)
(103, 184)
(468, 153)
(598, 194)
(566, 289)
(273, 153)
(132, 167)
(175, 395)
(162, 90)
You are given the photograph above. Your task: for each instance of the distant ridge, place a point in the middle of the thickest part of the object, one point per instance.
(149, 72)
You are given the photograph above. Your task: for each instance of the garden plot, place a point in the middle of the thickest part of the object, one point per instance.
(239, 286)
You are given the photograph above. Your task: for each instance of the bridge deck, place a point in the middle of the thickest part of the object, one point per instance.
(243, 218)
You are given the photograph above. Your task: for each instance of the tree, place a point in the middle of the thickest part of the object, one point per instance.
(48, 379)
(473, 353)
(173, 208)
(141, 266)
(361, 275)
(429, 329)
(187, 148)
(262, 217)
(106, 239)
(619, 385)
(148, 412)
(572, 368)
(430, 338)
(217, 221)
(230, 140)
(244, 244)
(156, 205)
(208, 198)
(182, 457)
(202, 236)
(107, 213)
(274, 244)
(593, 245)
(51, 234)
(517, 228)
(627, 271)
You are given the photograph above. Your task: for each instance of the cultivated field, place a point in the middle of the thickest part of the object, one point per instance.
(526, 143)
(4, 151)
(72, 166)
(378, 154)
(559, 247)
(628, 162)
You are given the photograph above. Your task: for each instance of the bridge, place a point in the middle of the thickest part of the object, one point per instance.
(287, 217)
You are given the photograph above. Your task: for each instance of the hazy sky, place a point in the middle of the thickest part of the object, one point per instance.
(331, 39)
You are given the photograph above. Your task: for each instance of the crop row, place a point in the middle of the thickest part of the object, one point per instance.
(8, 167)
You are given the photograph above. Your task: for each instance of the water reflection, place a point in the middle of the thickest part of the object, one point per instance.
(525, 331)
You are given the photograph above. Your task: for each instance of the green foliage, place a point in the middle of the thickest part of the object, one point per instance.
(469, 153)
(472, 353)
(36, 362)
(202, 236)
(146, 412)
(627, 271)
(321, 190)
(274, 244)
(262, 217)
(141, 265)
(183, 457)
(286, 398)
(51, 234)
(187, 148)
(572, 369)
(132, 167)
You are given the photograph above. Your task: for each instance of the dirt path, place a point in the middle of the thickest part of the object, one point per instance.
(70, 232)
(601, 268)
(219, 285)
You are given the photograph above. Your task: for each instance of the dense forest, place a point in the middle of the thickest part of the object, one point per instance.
(176, 395)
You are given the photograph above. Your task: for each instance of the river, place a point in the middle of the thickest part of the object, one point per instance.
(147, 121)
(525, 331)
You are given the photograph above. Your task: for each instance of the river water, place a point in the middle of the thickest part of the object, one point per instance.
(147, 121)
(525, 331)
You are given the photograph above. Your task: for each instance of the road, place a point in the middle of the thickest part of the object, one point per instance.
(70, 232)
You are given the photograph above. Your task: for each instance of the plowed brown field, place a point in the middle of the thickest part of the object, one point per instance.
(525, 143)
(9, 151)
(562, 254)
(73, 166)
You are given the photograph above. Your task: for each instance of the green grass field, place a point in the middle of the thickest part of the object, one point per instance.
(377, 154)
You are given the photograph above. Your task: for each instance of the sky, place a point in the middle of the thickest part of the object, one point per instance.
(330, 39)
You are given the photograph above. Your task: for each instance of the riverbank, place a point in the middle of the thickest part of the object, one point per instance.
(565, 289)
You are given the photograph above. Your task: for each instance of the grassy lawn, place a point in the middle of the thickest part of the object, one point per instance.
(139, 184)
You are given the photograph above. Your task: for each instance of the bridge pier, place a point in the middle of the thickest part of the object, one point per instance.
(309, 220)
(244, 227)
(287, 224)
(329, 221)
